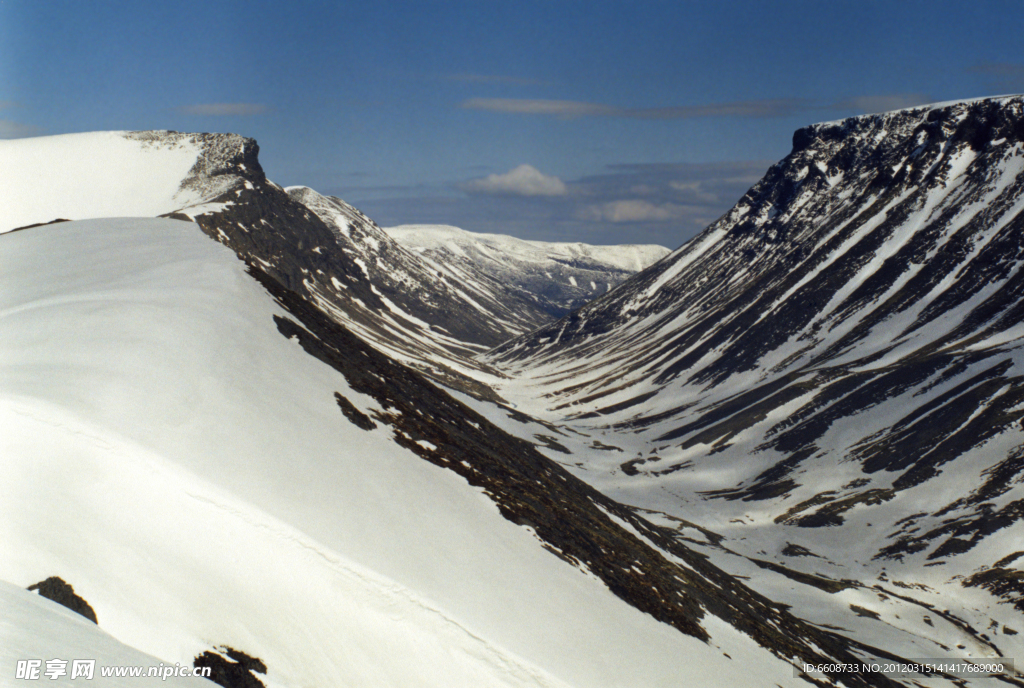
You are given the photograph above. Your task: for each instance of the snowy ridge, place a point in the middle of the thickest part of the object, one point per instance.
(216, 180)
(625, 257)
(109, 174)
(830, 378)
(563, 276)
(929, 106)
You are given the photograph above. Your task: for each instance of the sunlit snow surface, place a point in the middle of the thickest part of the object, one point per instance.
(632, 257)
(559, 276)
(187, 469)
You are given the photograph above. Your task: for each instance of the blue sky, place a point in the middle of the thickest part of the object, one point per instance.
(596, 121)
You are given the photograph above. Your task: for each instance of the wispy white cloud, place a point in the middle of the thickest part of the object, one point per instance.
(872, 104)
(567, 109)
(16, 130)
(772, 107)
(750, 109)
(634, 210)
(224, 109)
(695, 189)
(571, 109)
(524, 180)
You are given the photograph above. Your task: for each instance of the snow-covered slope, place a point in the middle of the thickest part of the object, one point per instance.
(172, 448)
(560, 277)
(230, 453)
(830, 377)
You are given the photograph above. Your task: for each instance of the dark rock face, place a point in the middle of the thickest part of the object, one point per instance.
(54, 588)
(39, 224)
(232, 668)
(357, 417)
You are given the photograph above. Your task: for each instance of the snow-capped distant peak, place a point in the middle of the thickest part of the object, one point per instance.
(630, 257)
(561, 276)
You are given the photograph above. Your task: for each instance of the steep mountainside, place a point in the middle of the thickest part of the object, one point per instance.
(830, 377)
(219, 485)
(557, 277)
(234, 469)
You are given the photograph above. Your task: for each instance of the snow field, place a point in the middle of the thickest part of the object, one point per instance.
(500, 247)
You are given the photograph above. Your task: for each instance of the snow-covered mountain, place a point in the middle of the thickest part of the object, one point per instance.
(426, 315)
(216, 180)
(793, 440)
(559, 277)
(830, 379)
(214, 457)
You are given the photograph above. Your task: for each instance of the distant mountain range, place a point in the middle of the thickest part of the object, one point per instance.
(557, 277)
(315, 451)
